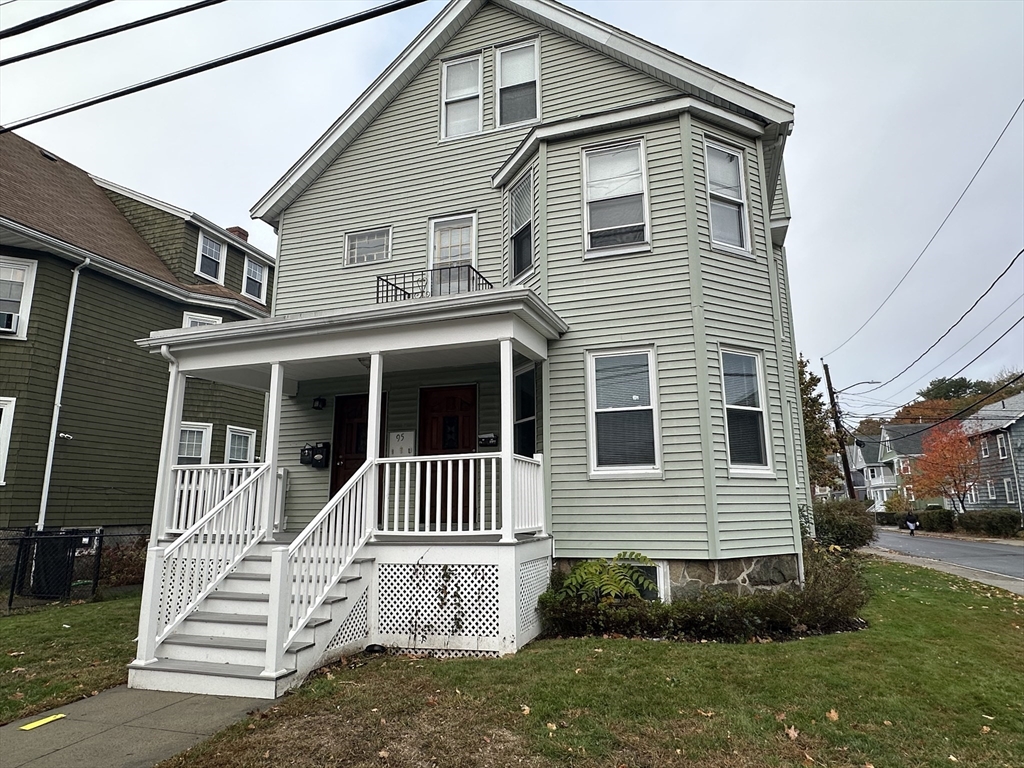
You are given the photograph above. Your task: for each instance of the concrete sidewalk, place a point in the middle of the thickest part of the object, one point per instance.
(121, 728)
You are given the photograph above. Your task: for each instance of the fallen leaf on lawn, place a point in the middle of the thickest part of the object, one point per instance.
(17, 696)
(709, 713)
(868, 765)
(552, 727)
(808, 760)
(16, 670)
(329, 676)
(578, 670)
(16, 653)
(953, 759)
(780, 716)
(599, 650)
(266, 754)
(95, 693)
(792, 732)
(384, 753)
(988, 717)
(383, 721)
(526, 709)
(251, 727)
(832, 715)
(985, 729)
(887, 722)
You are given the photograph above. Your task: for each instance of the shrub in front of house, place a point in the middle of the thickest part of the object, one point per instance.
(843, 523)
(937, 520)
(888, 518)
(832, 597)
(124, 563)
(1002, 523)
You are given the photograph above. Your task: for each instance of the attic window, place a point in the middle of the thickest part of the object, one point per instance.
(517, 84)
(461, 103)
(48, 155)
(210, 259)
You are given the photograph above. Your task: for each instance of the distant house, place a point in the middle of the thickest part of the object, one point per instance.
(86, 268)
(997, 431)
(900, 448)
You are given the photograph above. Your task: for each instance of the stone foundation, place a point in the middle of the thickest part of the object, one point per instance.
(737, 576)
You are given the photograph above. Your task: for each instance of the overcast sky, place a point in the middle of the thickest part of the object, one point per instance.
(896, 103)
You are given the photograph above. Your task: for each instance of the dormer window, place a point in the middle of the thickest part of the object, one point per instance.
(518, 100)
(255, 285)
(462, 108)
(210, 259)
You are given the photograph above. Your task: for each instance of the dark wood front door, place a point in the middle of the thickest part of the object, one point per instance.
(447, 426)
(349, 447)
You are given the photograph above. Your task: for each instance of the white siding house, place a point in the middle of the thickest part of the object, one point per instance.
(531, 306)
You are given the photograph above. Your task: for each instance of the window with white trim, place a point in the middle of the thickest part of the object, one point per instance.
(518, 95)
(904, 466)
(744, 409)
(615, 192)
(910, 493)
(874, 473)
(6, 424)
(210, 259)
(255, 283)
(726, 196)
(984, 447)
(520, 203)
(991, 489)
(17, 280)
(367, 246)
(622, 411)
(239, 445)
(452, 255)
(195, 320)
(525, 416)
(194, 443)
(1008, 489)
(972, 494)
(461, 105)
(1001, 446)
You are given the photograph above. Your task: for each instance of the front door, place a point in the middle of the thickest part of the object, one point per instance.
(447, 426)
(349, 447)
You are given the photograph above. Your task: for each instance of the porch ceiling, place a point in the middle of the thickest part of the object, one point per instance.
(443, 332)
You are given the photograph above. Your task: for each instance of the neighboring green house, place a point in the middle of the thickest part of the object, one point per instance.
(532, 305)
(86, 268)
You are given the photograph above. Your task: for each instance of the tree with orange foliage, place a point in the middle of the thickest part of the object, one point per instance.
(948, 466)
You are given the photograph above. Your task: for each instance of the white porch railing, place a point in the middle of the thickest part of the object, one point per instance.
(180, 575)
(452, 494)
(198, 488)
(302, 574)
(528, 498)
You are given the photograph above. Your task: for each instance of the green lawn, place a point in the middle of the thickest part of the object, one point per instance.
(64, 652)
(937, 680)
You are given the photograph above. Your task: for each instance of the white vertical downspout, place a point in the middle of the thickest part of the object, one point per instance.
(48, 472)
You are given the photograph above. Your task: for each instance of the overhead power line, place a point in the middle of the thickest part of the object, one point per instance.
(948, 330)
(934, 235)
(355, 18)
(49, 18)
(107, 32)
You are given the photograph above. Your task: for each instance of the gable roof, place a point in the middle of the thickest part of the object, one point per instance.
(870, 447)
(44, 199)
(905, 439)
(999, 415)
(685, 75)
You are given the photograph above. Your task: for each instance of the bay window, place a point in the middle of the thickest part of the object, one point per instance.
(622, 411)
(726, 196)
(744, 408)
(615, 191)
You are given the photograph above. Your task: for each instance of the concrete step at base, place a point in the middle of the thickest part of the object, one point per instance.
(208, 678)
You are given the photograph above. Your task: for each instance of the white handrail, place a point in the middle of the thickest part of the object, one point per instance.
(302, 574)
(528, 476)
(200, 487)
(192, 566)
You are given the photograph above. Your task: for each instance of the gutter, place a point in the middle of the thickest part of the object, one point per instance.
(58, 396)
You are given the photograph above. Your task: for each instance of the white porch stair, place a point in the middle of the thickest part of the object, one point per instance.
(220, 648)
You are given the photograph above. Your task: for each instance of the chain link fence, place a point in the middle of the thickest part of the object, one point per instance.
(39, 567)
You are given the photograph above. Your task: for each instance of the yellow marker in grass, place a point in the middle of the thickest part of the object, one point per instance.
(44, 721)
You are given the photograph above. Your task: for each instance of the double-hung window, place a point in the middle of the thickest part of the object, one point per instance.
(240, 445)
(991, 489)
(615, 190)
(367, 247)
(521, 214)
(17, 279)
(194, 443)
(517, 84)
(452, 255)
(461, 105)
(910, 493)
(6, 423)
(904, 466)
(874, 473)
(972, 494)
(744, 407)
(210, 259)
(622, 411)
(1001, 446)
(984, 447)
(726, 196)
(255, 285)
(525, 443)
(1008, 489)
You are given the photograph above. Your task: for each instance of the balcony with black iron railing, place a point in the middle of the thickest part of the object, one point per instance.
(423, 283)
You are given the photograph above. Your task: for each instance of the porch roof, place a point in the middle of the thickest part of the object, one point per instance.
(427, 333)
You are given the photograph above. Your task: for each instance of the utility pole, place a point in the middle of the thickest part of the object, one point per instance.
(840, 433)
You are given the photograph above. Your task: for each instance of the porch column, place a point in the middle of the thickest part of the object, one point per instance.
(373, 432)
(270, 454)
(508, 526)
(163, 498)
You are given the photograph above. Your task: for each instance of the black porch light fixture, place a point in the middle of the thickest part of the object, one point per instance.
(319, 403)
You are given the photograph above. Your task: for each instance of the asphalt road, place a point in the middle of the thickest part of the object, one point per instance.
(992, 557)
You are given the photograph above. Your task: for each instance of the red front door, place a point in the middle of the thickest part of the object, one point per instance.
(447, 426)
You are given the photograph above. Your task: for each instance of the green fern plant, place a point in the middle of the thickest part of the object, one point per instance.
(605, 580)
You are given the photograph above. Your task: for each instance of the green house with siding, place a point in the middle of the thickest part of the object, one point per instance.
(86, 269)
(531, 307)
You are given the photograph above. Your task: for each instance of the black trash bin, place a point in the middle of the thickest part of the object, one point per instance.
(46, 564)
